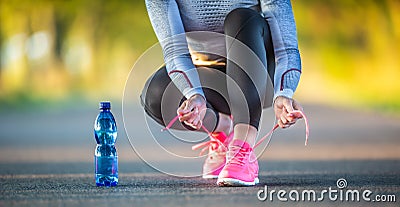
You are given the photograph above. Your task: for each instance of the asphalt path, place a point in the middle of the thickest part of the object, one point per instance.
(46, 159)
(72, 184)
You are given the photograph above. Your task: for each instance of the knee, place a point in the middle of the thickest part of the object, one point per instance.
(151, 94)
(238, 18)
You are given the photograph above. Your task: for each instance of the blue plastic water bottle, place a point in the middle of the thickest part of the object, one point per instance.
(105, 157)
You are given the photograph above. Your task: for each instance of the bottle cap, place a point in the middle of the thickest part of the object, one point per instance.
(105, 105)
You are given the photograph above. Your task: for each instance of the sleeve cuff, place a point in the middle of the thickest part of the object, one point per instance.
(193, 91)
(288, 93)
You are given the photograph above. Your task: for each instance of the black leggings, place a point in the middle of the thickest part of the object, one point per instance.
(241, 95)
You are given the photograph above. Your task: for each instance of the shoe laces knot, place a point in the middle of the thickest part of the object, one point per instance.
(213, 144)
(238, 155)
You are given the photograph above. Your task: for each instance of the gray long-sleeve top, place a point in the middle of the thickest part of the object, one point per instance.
(172, 18)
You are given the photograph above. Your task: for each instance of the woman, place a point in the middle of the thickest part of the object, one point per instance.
(230, 105)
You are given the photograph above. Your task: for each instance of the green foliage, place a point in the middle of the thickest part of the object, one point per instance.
(350, 45)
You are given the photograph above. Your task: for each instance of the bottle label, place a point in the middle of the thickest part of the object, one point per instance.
(106, 165)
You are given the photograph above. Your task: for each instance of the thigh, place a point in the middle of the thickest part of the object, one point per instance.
(251, 29)
(213, 81)
(160, 97)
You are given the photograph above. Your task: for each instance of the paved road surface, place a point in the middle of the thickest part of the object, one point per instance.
(72, 184)
(46, 159)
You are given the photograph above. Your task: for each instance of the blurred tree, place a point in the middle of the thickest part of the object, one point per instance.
(58, 49)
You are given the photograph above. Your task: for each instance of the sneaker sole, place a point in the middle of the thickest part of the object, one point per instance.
(236, 182)
(210, 176)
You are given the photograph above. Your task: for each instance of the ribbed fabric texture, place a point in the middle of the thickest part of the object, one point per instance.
(172, 18)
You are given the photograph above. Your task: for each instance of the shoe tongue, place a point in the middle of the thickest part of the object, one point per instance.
(242, 144)
(221, 136)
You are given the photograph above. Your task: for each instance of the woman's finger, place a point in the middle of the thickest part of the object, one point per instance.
(283, 120)
(290, 118)
(193, 115)
(297, 106)
(296, 115)
(196, 120)
(189, 124)
(288, 104)
(198, 126)
(188, 117)
(189, 106)
(282, 125)
(285, 123)
(183, 105)
(181, 110)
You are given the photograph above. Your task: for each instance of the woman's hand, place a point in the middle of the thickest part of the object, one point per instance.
(283, 108)
(192, 111)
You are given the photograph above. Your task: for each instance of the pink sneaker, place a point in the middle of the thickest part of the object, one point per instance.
(217, 147)
(241, 168)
